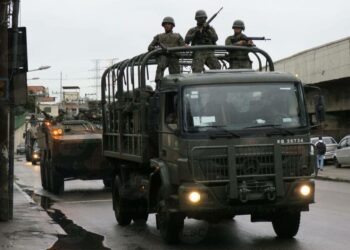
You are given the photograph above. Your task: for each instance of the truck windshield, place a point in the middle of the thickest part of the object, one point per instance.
(243, 106)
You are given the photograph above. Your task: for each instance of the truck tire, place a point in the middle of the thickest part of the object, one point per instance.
(43, 170)
(28, 158)
(33, 162)
(170, 224)
(286, 225)
(120, 205)
(56, 179)
(141, 211)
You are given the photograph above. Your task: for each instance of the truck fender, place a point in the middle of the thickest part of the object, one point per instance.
(160, 178)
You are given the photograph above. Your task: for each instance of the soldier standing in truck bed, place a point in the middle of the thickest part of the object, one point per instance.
(239, 59)
(202, 34)
(165, 40)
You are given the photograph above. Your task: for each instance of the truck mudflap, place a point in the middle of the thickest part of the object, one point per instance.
(200, 198)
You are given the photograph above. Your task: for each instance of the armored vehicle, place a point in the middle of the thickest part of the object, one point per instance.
(70, 149)
(209, 145)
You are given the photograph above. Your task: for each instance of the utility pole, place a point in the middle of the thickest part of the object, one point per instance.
(4, 116)
(14, 67)
(97, 70)
(97, 73)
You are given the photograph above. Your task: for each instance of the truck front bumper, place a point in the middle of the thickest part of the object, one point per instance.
(198, 198)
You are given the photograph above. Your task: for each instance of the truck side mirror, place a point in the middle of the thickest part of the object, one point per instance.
(320, 109)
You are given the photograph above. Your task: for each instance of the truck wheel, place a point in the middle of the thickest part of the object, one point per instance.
(47, 173)
(141, 213)
(170, 224)
(56, 179)
(120, 205)
(28, 158)
(286, 225)
(43, 170)
(33, 162)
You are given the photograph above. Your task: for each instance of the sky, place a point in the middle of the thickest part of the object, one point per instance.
(69, 35)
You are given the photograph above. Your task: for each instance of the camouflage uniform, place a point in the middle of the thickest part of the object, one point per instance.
(169, 39)
(208, 36)
(238, 59)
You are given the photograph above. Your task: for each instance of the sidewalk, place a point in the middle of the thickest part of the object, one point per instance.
(31, 227)
(332, 173)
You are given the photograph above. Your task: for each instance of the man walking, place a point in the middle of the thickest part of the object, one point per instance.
(321, 151)
(167, 39)
(202, 34)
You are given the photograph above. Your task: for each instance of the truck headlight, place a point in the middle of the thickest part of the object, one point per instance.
(56, 131)
(35, 156)
(194, 197)
(305, 190)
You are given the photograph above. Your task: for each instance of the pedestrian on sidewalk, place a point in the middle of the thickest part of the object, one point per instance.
(321, 151)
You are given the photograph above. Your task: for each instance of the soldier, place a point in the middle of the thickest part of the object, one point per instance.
(202, 34)
(61, 116)
(167, 39)
(239, 59)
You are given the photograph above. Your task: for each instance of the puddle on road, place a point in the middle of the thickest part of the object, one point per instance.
(77, 238)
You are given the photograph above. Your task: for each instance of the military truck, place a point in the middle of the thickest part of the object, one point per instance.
(70, 149)
(207, 146)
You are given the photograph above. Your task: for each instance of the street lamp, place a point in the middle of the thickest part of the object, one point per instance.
(40, 68)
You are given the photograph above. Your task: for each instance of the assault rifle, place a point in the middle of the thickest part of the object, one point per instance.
(255, 38)
(212, 18)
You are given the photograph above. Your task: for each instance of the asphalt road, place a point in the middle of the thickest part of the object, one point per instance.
(87, 205)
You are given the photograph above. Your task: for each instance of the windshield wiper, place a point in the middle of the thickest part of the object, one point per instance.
(226, 134)
(275, 126)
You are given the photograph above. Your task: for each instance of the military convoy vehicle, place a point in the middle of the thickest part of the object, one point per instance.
(207, 146)
(70, 149)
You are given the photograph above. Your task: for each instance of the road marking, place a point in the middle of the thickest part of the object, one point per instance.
(86, 201)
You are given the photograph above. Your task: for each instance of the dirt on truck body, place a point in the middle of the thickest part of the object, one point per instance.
(209, 145)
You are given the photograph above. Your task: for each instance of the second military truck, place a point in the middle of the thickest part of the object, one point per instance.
(208, 146)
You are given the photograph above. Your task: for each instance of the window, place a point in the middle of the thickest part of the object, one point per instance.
(47, 109)
(239, 106)
(344, 143)
(171, 118)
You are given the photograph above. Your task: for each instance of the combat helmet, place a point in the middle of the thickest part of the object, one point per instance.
(200, 13)
(168, 19)
(238, 24)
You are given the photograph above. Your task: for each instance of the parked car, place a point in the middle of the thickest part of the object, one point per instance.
(331, 146)
(342, 154)
(21, 149)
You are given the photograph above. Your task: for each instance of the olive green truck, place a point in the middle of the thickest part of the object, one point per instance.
(207, 146)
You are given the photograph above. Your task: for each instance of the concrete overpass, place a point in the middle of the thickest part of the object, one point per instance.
(327, 67)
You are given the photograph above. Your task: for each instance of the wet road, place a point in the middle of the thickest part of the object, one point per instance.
(88, 205)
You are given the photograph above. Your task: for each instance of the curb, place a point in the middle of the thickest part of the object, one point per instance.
(328, 178)
(56, 227)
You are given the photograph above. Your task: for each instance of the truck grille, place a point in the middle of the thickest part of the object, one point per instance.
(212, 163)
